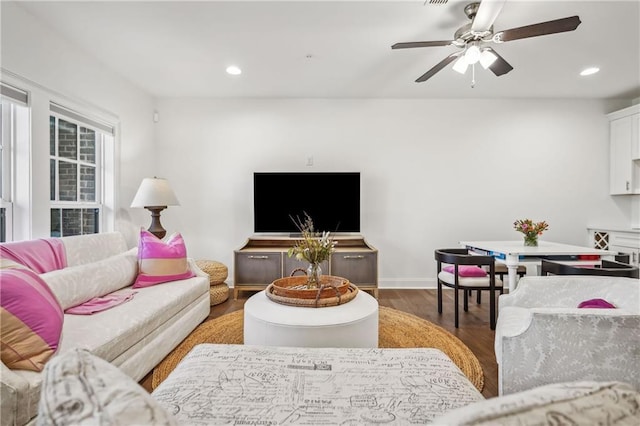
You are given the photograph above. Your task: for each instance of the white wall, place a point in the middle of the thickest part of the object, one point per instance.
(434, 172)
(34, 52)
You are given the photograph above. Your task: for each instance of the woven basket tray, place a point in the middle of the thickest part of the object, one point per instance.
(350, 293)
(296, 287)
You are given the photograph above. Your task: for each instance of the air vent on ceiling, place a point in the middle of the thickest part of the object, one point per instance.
(436, 1)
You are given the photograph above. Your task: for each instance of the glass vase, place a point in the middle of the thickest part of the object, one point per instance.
(531, 240)
(313, 275)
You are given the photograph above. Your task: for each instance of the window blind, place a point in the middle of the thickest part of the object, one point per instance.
(104, 127)
(15, 94)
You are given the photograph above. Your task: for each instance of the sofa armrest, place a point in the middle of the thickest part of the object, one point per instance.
(567, 291)
(12, 389)
(196, 270)
(568, 346)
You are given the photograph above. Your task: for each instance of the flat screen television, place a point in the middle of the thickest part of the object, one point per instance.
(331, 199)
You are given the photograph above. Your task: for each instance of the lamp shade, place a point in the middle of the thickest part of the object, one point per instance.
(154, 192)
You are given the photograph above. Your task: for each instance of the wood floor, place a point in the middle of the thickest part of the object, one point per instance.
(474, 328)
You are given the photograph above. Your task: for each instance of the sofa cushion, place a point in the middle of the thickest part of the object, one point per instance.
(81, 389)
(449, 278)
(78, 284)
(466, 270)
(575, 403)
(30, 319)
(110, 333)
(159, 261)
(83, 249)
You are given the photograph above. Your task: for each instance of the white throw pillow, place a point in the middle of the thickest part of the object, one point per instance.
(571, 403)
(78, 284)
(79, 388)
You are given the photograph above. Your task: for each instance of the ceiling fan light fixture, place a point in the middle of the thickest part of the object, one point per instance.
(487, 57)
(472, 54)
(461, 65)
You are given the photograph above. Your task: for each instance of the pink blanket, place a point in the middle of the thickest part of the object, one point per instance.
(43, 255)
(99, 304)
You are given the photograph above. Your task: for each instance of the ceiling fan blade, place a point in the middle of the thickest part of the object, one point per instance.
(486, 15)
(535, 30)
(446, 61)
(499, 66)
(412, 44)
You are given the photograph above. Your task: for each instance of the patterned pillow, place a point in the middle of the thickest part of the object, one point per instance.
(79, 388)
(161, 262)
(570, 403)
(30, 319)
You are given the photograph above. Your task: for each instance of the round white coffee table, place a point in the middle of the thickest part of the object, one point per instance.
(352, 325)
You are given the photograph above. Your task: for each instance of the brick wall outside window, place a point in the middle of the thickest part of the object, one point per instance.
(76, 151)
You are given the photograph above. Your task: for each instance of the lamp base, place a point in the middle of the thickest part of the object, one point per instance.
(156, 227)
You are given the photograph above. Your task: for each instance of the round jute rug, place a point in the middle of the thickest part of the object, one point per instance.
(396, 329)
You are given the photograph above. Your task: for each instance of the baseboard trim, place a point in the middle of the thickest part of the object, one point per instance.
(397, 283)
(407, 283)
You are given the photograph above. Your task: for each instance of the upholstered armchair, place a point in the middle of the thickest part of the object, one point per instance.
(542, 336)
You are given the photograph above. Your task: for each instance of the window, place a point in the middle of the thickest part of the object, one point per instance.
(13, 111)
(76, 146)
(58, 167)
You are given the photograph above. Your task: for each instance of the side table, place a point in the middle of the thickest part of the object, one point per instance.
(353, 324)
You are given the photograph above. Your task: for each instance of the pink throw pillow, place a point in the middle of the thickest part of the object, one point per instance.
(597, 304)
(467, 271)
(161, 262)
(30, 320)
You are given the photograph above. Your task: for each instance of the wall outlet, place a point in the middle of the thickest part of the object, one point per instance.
(310, 160)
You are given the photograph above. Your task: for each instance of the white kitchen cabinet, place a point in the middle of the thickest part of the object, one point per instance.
(624, 158)
(625, 242)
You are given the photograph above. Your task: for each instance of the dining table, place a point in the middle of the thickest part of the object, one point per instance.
(515, 253)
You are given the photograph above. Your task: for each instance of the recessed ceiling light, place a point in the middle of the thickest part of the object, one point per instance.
(589, 71)
(234, 70)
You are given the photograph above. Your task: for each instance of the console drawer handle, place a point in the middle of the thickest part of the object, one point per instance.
(354, 257)
(258, 257)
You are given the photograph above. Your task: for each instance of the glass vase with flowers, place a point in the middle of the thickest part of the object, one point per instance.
(531, 230)
(315, 247)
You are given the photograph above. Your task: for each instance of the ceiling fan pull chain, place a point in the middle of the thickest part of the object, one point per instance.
(473, 75)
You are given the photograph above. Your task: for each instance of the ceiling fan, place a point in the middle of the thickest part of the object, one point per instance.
(475, 37)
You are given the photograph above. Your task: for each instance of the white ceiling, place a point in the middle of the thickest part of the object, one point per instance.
(342, 49)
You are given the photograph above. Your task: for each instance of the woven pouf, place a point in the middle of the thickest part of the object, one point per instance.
(218, 293)
(217, 271)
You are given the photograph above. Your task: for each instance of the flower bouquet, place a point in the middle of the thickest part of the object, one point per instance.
(314, 247)
(531, 230)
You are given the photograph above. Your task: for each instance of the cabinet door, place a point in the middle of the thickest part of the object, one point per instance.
(357, 267)
(257, 267)
(635, 136)
(291, 263)
(620, 163)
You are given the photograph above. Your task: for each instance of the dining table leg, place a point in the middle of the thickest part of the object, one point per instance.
(512, 266)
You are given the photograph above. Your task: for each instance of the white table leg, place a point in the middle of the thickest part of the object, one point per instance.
(512, 266)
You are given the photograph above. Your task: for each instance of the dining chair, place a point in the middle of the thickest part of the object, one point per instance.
(608, 268)
(459, 270)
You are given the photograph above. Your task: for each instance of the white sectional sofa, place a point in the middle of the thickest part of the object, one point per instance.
(542, 336)
(134, 336)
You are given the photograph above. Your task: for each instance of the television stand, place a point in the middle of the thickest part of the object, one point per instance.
(263, 259)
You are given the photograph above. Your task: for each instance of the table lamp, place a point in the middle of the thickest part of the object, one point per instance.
(155, 194)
